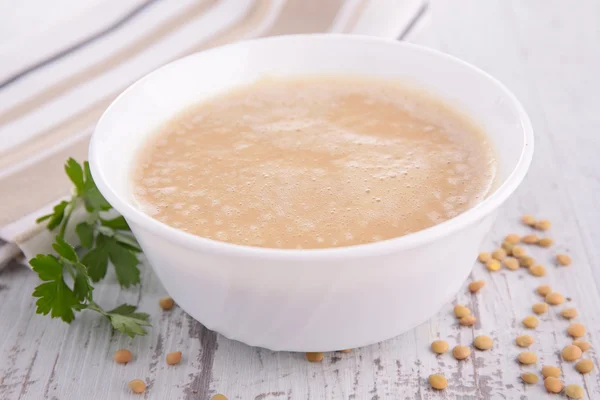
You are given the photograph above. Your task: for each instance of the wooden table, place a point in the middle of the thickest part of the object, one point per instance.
(548, 53)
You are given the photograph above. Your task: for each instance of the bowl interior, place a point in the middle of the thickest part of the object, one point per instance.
(155, 98)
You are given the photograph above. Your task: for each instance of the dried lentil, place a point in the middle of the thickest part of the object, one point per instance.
(544, 290)
(174, 358)
(469, 320)
(551, 370)
(493, 265)
(137, 386)
(545, 242)
(439, 346)
(524, 341)
(512, 238)
(527, 357)
(537, 270)
(576, 330)
(528, 219)
(563, 259)
(530, 377)
(122, 356)
(218, 396)
(526, 261)
(530, 322)
(518, 251)
(553, 385)
(484, 257)
(569, 313)
(530, 239)
(574, 391)
(554, 298)
(511, 263)
(571, 352)
(584, 366)
(438, 381)
(314, 356)
(499, 254)
(540, 308)
(542, 225)
(483, 342)
(461, 311)
(475, 286)
(166, 303)
(582, 344)
(461, 352)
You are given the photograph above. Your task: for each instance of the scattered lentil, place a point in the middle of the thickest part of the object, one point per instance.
(554, 298)
(542, 225)
(493, 265)
(544, 290)
(137, 386)
(526, 261)
(438, 381)
(545, 242)
(499, 254)
(461, 311)
(527, 357)
(483, 342)
(537, 270)
(574, 391)
(576, 330)
(507, 247)
(584, 366)
(551, 370)
(512, 238)
(439, 346)
(511, 263)
(524, 341)
(518, 251)
(461, 352)
(174, 358)
(582, 344)
(540, 308)
(569, 313)
(571, 352)
(528, 219)
(553, 385)
(469, 320)
(218, 396)
(563, 259)
(314, 356)
(484, 257)
(530, 239)
(530, 322)
(122, 356)
(529, 377)
(166, 303)
(475, 286)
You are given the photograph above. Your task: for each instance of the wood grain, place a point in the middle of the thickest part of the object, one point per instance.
(543, 50)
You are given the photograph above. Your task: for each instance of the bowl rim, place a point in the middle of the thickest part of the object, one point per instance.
(411, 240)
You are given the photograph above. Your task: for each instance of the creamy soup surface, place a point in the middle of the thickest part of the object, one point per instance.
(313, 162)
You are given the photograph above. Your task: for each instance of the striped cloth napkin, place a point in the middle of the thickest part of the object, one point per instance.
(64, 61)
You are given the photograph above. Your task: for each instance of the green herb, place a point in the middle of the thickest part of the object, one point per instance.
(102, 239)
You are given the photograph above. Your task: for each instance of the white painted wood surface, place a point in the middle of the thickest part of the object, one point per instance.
(547, 52)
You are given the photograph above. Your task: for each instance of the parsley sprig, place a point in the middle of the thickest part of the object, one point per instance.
(102, 239)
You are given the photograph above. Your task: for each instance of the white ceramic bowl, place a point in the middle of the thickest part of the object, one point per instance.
(310, 300)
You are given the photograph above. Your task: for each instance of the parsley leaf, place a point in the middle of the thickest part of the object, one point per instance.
(85, 232)
(93, 199)
(124, 261)
(105, 240)
(56, 217)
(54, 296)
(127, 321)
